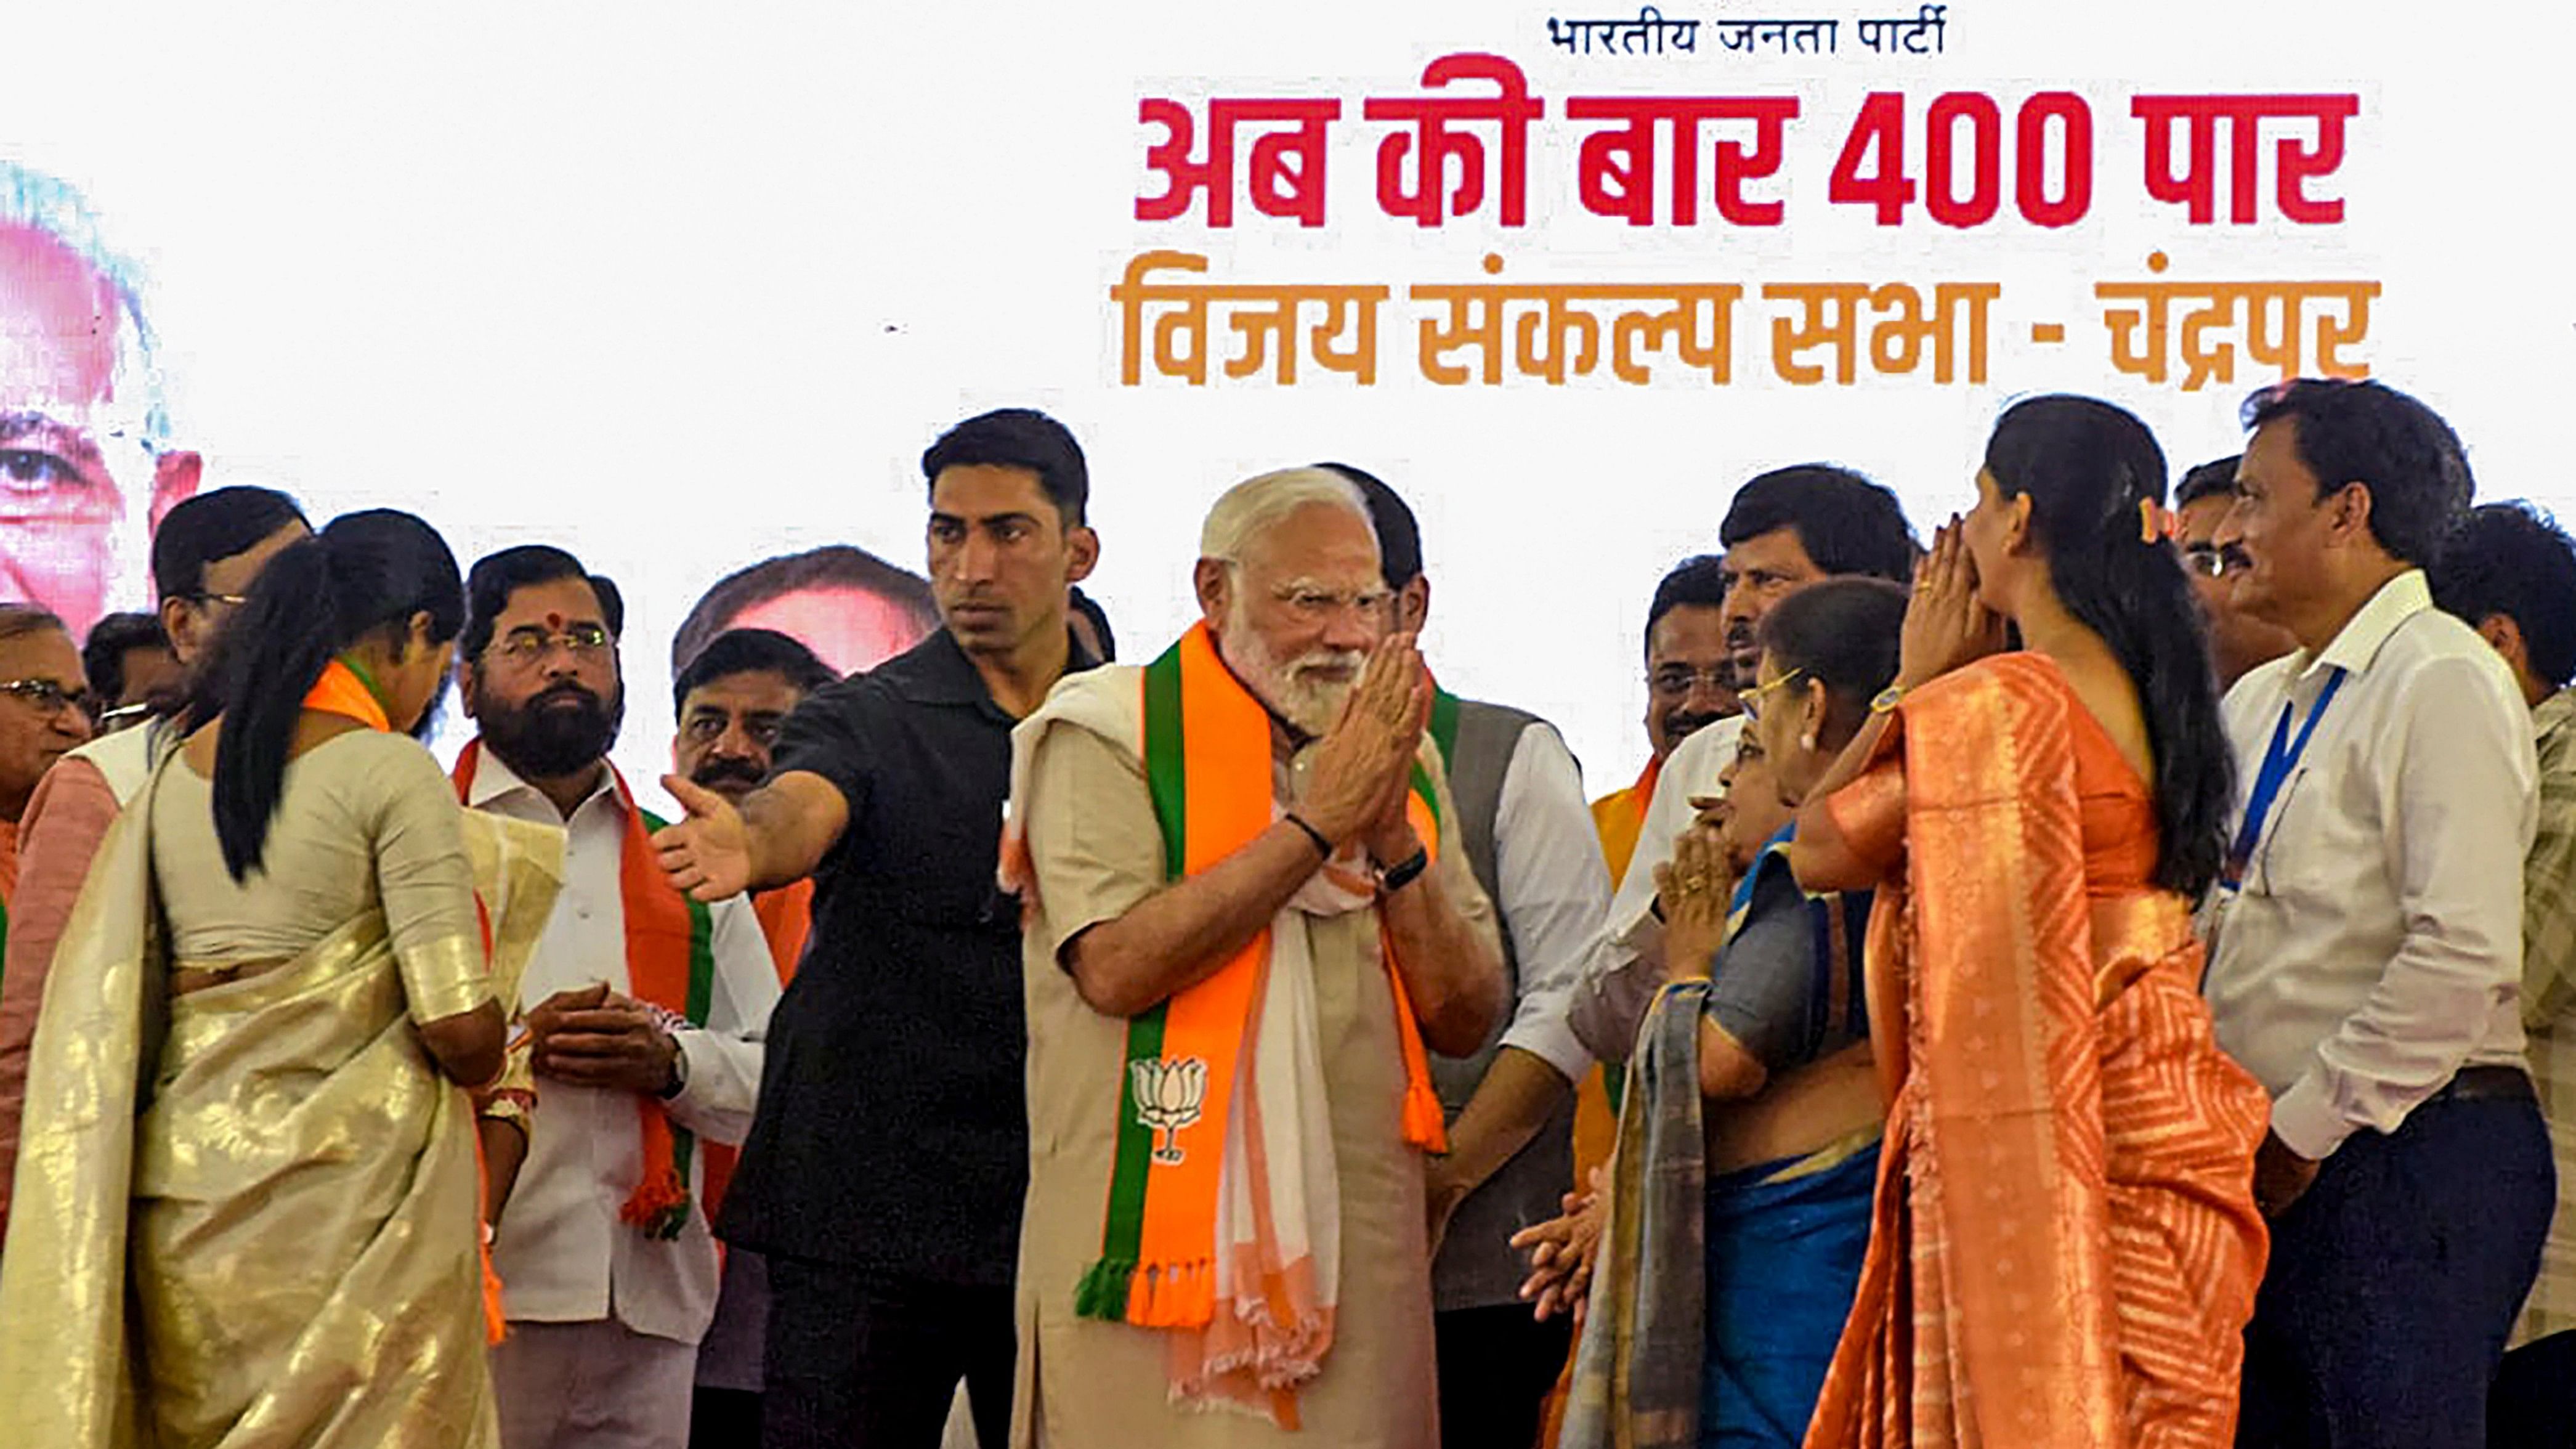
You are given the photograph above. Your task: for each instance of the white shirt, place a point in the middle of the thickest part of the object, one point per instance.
(1630, 938)
(2376, 945)
(1551, 884)
(561, 1252)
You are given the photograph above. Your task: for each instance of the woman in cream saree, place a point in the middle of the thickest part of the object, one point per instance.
(249, 1210)
(2065, 1249)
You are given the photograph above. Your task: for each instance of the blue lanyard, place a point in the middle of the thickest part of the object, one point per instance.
(2277, 761)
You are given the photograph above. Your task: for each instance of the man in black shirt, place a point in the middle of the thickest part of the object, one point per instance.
(884, 1172)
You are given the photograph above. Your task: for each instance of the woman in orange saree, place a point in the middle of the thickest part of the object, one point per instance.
(2065, 1247)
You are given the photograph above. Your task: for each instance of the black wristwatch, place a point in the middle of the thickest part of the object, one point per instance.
(1403, 873)
(679, 1072)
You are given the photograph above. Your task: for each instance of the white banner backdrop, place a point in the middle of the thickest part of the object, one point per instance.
(681, 287)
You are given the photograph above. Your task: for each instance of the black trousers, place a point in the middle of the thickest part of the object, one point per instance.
(2394, 1281)
(858, 1357)
(724, 1419)
(1496, 1368)
(2533, 1405)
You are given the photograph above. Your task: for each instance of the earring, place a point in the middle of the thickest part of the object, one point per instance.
(1807, 742)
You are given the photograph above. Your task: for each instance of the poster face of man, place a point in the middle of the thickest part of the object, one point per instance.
(80, 483)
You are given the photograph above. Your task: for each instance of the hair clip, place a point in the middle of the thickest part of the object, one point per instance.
(2156, 522)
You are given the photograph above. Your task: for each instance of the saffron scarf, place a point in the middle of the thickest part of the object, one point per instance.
(1222, 1226)
(1207, 763)
(670, 964)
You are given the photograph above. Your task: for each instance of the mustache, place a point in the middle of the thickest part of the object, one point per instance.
(1688, 724)
(1345, 659)
(569, 689)
(726, 768)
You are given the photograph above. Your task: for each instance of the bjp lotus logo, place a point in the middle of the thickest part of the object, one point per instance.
(1168, 1094)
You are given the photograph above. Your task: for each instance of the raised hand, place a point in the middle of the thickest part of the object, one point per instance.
(1363, 765)
(1946, 624)
(706, 854)
(1695, 890)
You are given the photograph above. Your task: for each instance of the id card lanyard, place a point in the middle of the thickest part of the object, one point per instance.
(2278, 761)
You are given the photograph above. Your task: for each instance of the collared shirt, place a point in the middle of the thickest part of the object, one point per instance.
(1631, 939)
(893, 1127)
(2376, 945)
(2549, 998)
(562, 1254)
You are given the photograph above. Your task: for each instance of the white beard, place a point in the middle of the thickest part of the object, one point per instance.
(1297, 695)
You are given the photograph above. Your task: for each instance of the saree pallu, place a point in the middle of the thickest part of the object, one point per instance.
(2065, 1249)
(246, 1216)
(1636, 1375)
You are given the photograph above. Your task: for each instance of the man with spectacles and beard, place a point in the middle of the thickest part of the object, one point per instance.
(2238, 641)
(731, 701)
(645, 1031)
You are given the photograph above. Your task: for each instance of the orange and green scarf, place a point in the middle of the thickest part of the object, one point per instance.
(670, 964)
(1207, 758)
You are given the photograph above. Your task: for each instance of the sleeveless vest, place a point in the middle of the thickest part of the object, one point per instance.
(1477, 1267)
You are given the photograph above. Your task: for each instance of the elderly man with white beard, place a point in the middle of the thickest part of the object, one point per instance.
(1247, 920)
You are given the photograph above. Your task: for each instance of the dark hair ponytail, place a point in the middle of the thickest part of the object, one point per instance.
(2088, 468)
(366, 572)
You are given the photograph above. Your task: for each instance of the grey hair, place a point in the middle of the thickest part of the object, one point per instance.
(1253, 505)
(21, 619)
(56, 208)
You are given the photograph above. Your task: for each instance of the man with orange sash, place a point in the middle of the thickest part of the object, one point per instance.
(730, 700)
(645, 1014)
(1247, 921)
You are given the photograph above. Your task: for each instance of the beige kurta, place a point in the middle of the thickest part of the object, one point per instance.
(1096, 851)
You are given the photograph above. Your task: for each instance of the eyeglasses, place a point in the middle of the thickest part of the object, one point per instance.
(123, 714)
(1314, 606)
(47, 696)
(2209, 561)
(1672, 681)
(203, 597)
(527, 648)
(1751, 698)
